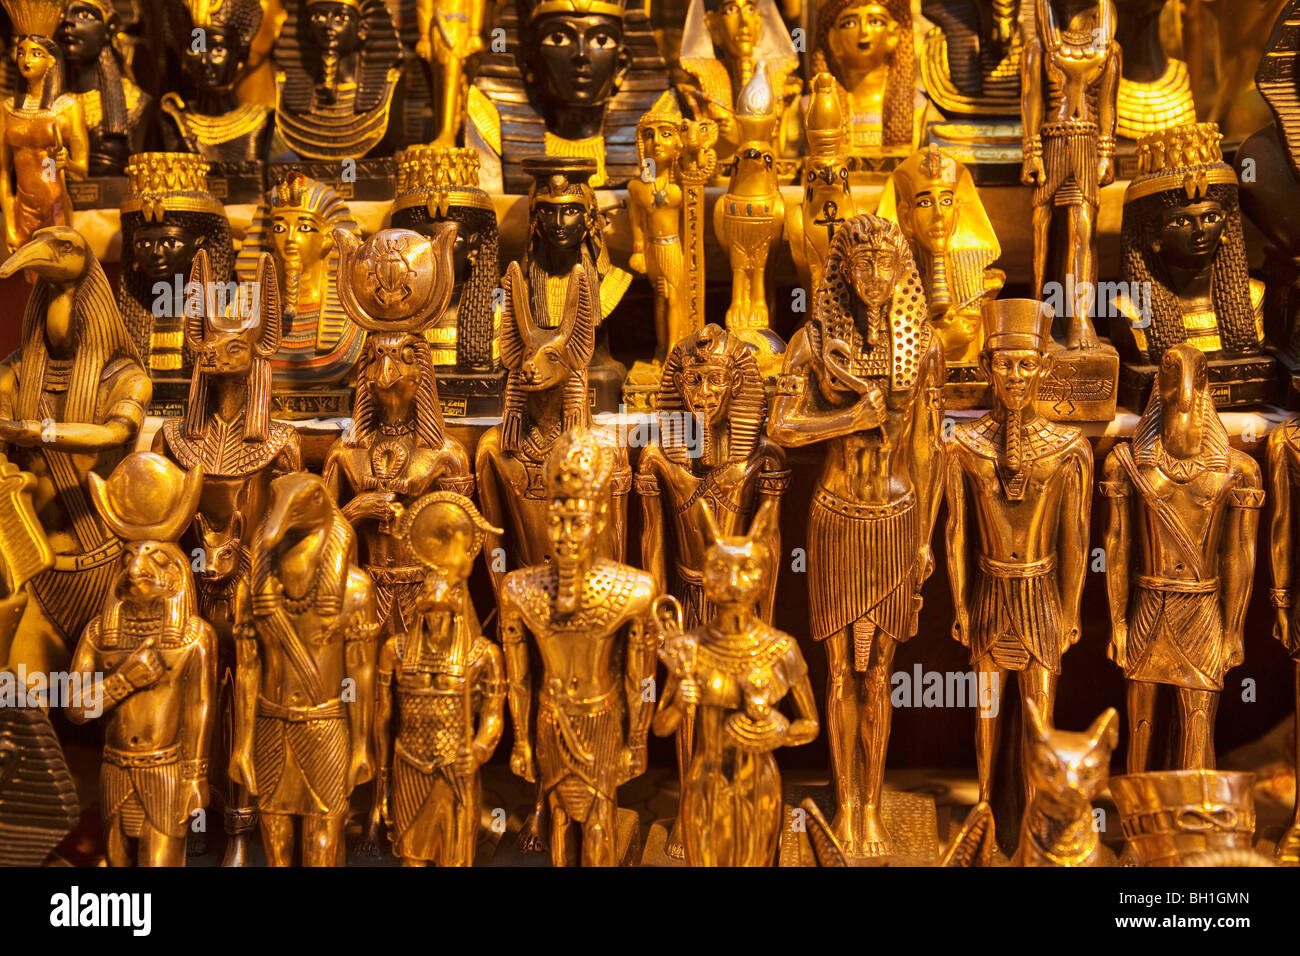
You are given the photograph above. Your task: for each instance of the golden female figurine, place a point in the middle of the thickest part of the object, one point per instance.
(160, 659)
(726, 681)
(304, 693)
(72, 400)
(449, 37)
(592, 721)
(867, 46)
(1284, 477)
(933, 197)
(1028, 483)
(747, 221)
(228, 432)
(1180, 558)
(44, 139)
(827, 199)
(445, 684)
(394, 285)
(710, 450)
(866, 375)
(1069, 76)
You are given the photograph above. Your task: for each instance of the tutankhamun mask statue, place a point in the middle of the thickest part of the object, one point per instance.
(159, 661)
(72, 401)
(1017, 569)
(1180, 559)
(867, 46)
(710, 450)
(1284, 483)
(301, 743)
(440, 694)
(585, 613)
(727, 678)
(1155, 89)
(168, 216)
(724, 43)
(747, 221)
(338, 68)
(116, 111)
(394, 286)
(227, 432)
(214, 123)
(827, 199)
(933, 197)
(866, 375)
(320, 345)
(42, 122)
(970, 62)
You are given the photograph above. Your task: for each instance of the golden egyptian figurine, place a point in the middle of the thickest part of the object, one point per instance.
(1155, 90)
(116, 111)
(72, 400)
(215, 124)
(394, 285)
(444, 682)
(592, 721)
(709, 450)
(866, 375)
(827, 199)
(1180, 558)
(42, 122)
(304, 687)
(727, 677)
(159, 659)
(1188, 817)
(747, 222)
(666, 213)
(867, 46)
(337, 71)
(227, 431)
(449, 37)
(1028, 483)
(320, 346)
(1069, 74)
(933, 197)
(1284, 477)
(724, 43)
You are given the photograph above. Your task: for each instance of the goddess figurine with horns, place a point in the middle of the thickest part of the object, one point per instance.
(394, 285)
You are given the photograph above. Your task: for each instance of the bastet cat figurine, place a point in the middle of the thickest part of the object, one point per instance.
(1066, 770)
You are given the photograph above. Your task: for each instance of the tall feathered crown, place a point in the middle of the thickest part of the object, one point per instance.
(37, 18)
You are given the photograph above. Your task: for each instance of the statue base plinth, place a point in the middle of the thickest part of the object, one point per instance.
(627, 843)
(1235, 382)
(1082, 386)
(97, 192)
(989, 148)
(362, 180)
(912, 820)
(471, 394)
(296, 404)
(238, 181)
(965, 387)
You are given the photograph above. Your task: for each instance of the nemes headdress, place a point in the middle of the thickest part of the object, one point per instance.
(712, 345)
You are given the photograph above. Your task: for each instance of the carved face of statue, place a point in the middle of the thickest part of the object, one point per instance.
(546, 367)
(390, 364)
(334, 28)
(573, 527)
(735, 571)
(863, 36)
(736, 26)
(220, 61)
(151, 573)
(577, 58)
(1183, 374)
(1016, 374)
(562, 224)
(33, 59)
(706, 389)
(934, 218)
(227, 353)
(83, 33)
(661, 142)
(300, 238)
(1190, 233)
(874, 274)
(162, 251)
